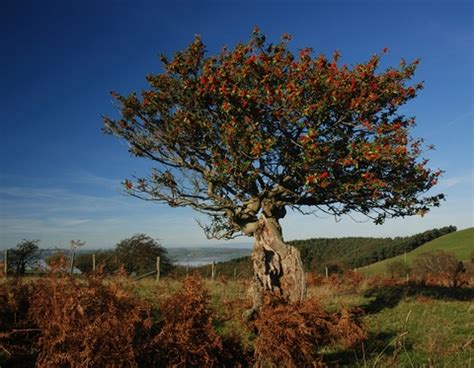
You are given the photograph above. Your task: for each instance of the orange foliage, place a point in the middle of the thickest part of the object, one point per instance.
(314, 279)
(88, 324)
(17, 334)
(291, 335)
(187, 337)
(71, 322)
(352, 278)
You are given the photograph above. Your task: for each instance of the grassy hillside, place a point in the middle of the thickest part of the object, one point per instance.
(337, 254)
(461, 243)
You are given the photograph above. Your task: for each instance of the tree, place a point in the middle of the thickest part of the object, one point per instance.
(138, 254)
(247, 134)
(441, 265)
(25, 255)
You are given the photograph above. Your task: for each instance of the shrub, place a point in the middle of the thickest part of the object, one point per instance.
(88, 324)
(441, 268)
(17, 332)
(186, 336)
(26, 254)
(138, 254)
(346, 329)
(59, 262)
(314, 279)
(291, 335)
(352, 279)
(398, 269)
(14, 303)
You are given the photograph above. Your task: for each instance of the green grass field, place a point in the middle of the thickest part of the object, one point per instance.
(461, 243)
(423, 328)
(407, 325)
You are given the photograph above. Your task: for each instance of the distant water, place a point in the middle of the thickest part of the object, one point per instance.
(205, 255)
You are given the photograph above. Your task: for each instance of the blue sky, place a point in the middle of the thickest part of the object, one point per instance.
(60, 175)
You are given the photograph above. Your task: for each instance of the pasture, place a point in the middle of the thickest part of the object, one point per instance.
(405, 324)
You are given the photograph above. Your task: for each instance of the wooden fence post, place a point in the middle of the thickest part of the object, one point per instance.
(72, 262)
(327, 273)
(213, 270)
(187, 270)
(235, 273)
(157, 268)
(6, 262)
(93, 262)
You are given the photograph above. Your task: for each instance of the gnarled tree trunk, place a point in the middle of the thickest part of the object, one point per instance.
(277, 266)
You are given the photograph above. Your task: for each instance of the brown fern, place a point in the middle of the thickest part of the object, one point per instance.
(88, 324)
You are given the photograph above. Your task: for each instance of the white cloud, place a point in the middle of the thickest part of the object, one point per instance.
(459, 119)
(84, 177)
(55, 215)
(61, 200)
(446, 183)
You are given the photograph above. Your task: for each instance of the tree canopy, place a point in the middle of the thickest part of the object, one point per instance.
(138, 254)
(256, 129)
(26, 254)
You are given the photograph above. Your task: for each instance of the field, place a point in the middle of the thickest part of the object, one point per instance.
(406, 324)
(461, 243)
(404, 330)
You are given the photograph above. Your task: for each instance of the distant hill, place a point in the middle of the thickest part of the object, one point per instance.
(461, 243)
(338, 254)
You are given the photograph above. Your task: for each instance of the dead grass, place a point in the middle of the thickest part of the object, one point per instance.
(104, 321)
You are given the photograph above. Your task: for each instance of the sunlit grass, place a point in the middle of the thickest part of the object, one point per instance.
(413, 331)
(461, 243)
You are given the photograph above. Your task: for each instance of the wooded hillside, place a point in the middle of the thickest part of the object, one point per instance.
(338, 254)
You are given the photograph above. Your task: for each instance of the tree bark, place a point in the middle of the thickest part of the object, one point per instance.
(277, 266)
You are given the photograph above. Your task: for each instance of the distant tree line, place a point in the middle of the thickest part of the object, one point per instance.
(354, 252)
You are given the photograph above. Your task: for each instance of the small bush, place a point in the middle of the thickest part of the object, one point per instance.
(440, 268)
(292, 335)
(352, 279)
(17, 333)
(314, 279)
(14, 304)
(88, 324)
(398, 269)
(186, 336)
(346, 329)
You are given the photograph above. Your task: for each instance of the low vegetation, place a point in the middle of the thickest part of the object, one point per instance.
(459, 243)
(108, 318)
(347, 320)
